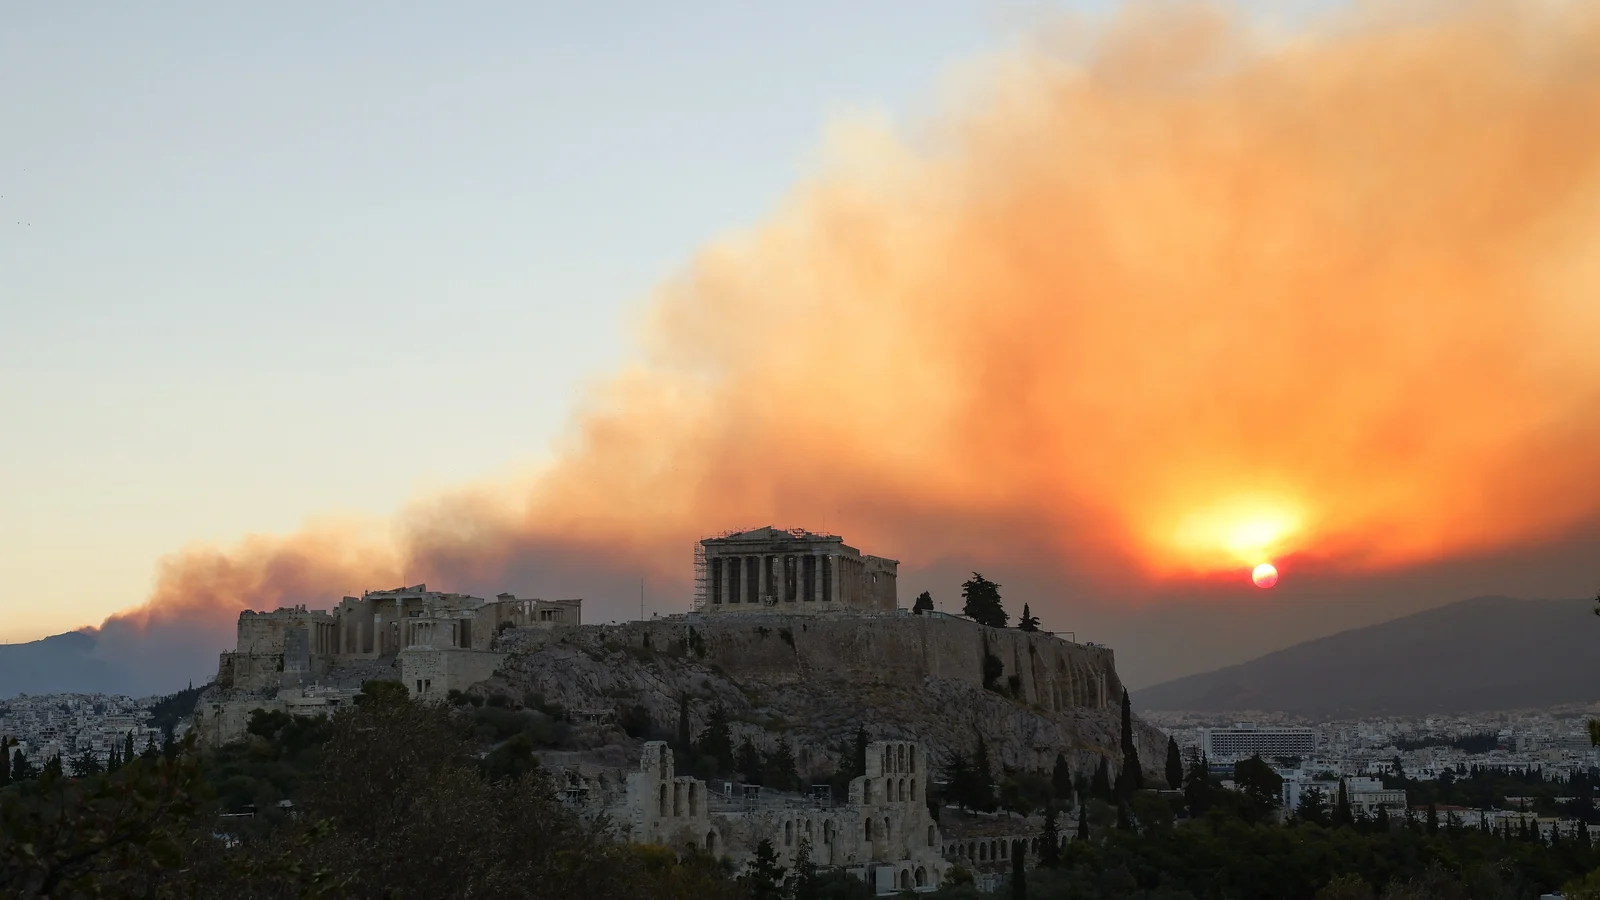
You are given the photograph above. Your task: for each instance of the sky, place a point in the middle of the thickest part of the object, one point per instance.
(259, 265)
(1111, 302)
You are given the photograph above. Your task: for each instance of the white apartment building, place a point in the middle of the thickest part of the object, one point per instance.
(1245, 740)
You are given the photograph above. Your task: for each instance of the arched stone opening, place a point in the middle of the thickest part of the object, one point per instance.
(905, 879)
(930, 835)
(677, 799)
(694, 799)
(983, 853)
(921, 877)
(711, 842)
(663, 811)
(788, 834)
(867, 829)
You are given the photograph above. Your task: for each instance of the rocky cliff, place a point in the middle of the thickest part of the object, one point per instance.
(815, 681)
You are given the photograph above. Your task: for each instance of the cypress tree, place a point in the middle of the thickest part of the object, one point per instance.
(1131, 778)
(1027, 622)
(1433, 818)
(1083, 821)
(1174, 765)
(716, 741)
(683, 723)
(861, 750)
(1381, 822)
(21, 769)
(1019, 878)
(1061, 779)
(1583, 834)
(1050, 839)
(127, 748)
(1341, 807)
(749, 762)
(982, 778)
(5, 760)
(1100, 786)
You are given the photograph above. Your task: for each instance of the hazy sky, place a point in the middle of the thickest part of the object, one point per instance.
(263, 263)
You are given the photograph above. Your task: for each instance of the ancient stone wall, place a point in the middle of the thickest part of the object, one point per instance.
(432, 673)
(893, 649)
(884, 833)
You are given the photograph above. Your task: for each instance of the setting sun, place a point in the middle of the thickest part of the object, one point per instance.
(1265, 575)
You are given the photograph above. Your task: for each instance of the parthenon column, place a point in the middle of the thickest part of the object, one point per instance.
(816, 576)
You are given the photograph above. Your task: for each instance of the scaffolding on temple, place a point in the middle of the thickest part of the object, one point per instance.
(702, 580)
(700, 586)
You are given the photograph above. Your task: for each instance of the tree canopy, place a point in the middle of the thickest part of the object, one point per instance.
(982, 598)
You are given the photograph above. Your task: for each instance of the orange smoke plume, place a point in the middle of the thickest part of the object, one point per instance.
(1165, 296)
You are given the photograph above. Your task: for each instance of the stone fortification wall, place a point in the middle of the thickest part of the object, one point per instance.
(1054, 674)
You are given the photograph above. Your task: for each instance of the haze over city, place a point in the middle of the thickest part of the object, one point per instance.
(1111, 303)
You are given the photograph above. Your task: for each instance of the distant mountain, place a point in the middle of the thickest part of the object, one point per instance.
(59, 664)
(1484, 653)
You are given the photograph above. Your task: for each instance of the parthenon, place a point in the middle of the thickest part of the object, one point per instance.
(797, 571)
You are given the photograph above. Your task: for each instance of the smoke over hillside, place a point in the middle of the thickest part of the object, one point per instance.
(1159, 299)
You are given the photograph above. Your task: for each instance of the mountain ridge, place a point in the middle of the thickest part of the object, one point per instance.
(1489, 652)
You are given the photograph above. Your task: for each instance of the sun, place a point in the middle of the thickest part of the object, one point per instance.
(1264, 575)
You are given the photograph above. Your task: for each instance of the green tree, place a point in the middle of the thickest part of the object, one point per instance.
(682, 743)
(924, 603)
(1261, 786)
(861, 750)
(1131, 778)
(1174, 765)
(716, 741)
(1197, 788)
(983, 601)
(21, 769)
(993, 668)
(803, 880)
(982, 778)
(1313, 807)
(1061, 779)
(763, 877)
(1341, 807)
(1050, 839)
(86, 764)
(750, 763)
(1100, 785)
(1027, 622)
(780, 769)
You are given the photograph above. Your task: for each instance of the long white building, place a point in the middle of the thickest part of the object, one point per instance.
(1245, 740)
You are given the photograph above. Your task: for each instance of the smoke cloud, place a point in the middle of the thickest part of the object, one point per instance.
(1161, 297)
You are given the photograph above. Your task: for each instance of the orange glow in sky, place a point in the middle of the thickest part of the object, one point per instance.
(1166, 297)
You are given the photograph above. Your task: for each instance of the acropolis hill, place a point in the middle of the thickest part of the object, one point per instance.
(794, 634)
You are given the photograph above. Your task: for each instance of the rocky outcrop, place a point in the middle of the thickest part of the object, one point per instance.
(815, 682)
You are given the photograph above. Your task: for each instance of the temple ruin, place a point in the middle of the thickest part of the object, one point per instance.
(793, 571)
